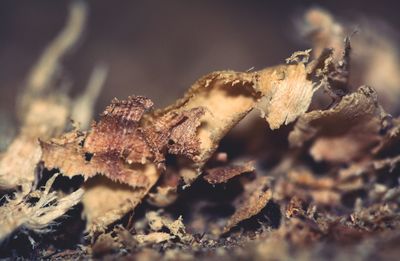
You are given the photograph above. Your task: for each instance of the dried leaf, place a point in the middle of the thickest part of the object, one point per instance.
(282, 93)
(128, 149)
(376, 59)
(223, 174)
(124, 151)
(343, 133)
(254, 199)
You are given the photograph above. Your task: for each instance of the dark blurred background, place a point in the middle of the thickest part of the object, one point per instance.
(159, 48)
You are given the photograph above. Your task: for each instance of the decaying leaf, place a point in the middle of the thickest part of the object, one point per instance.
(345, 132)
(223, 174)
(254, 199)
(376, 59)
(131, 150)
(282, 93)
(348, 192)
(124, 151)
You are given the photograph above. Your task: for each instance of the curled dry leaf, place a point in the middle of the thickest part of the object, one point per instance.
(376, 60)
(282, 93)
(124, 151)
(129, 146)
(119, 147)
(251, 202)
(223, 174)
(345, 132)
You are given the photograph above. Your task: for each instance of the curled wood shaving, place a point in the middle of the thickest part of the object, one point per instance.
(254, 199)
(345, 132)
(223, 174)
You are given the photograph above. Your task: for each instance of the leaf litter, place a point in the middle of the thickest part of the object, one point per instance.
(157, 184)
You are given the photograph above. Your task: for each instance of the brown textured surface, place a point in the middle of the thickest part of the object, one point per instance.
(335, 195)
(223, 174)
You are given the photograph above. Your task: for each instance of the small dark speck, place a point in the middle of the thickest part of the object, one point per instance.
(88, 156)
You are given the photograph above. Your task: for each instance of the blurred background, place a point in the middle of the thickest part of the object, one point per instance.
(159, 48)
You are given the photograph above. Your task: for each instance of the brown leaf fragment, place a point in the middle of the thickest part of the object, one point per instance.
(251, 202)
(129, 145)
(67, 156)
(174, 133)
(120, 148)
(223, 174)
(117, 146)
(282, 93)
(183, 140)
(343, 133)
(117, 133)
